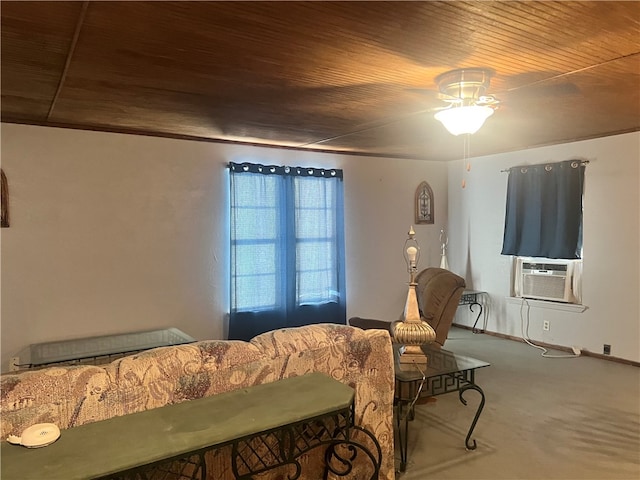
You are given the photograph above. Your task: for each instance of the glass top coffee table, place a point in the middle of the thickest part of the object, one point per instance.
(445, 372)
(98, 350)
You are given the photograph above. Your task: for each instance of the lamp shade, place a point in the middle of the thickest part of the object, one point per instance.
(466, 119)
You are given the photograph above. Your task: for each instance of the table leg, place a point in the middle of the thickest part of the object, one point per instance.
(402, 423)
(474, 329)
(478, 412)
(341, 462)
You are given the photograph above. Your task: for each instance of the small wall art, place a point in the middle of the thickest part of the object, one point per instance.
(424, 204)
(4, 200)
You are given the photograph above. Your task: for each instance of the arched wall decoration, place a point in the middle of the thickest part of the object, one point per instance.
(4, 210)
(424, 204)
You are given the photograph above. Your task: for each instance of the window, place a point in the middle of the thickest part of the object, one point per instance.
(287, 248)
(543, 221)
(544, 210)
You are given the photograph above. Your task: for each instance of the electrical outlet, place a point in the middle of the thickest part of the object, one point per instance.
(13, 364)
(606, 349)
(545, 325)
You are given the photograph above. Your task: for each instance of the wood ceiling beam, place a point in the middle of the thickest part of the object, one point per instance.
(72, 48)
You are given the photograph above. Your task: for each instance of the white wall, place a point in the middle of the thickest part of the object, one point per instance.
(611, 280)
(114, 233)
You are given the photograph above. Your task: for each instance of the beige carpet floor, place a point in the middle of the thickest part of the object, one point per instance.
(555, 419)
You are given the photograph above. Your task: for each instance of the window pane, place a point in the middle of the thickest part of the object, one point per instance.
(261, 293)
(255, 274)
(315, 234)
(314, 192)
(255, 207)
(254, 190)
(315, 223)
(317, 280)
(254, 220)
(254, 259)
(255, 223)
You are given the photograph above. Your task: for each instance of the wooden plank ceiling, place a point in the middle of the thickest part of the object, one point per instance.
(335, 76)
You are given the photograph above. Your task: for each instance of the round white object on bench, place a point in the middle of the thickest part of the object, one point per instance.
(38, 435)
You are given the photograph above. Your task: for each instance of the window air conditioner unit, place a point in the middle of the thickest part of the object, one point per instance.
(545, 279)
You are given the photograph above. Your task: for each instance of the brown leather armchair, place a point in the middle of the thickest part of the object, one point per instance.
(439, 293)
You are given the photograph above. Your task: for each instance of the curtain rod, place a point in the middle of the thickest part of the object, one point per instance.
(507, 170)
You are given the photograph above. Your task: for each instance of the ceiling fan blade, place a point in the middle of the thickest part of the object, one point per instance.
(538, 84)
(434, 94)
(422, 91)
(554, 90)
(437, 101)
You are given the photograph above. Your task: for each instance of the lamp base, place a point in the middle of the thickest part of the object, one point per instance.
(413, 333)
(412, 355)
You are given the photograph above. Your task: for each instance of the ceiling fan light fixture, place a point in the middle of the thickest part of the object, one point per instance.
(465, 119)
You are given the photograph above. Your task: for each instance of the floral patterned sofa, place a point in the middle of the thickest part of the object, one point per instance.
(75, 395)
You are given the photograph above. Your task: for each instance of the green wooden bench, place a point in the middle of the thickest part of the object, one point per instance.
(267, 425)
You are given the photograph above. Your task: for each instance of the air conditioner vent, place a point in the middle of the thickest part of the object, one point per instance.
(544, 279)
(542, 286)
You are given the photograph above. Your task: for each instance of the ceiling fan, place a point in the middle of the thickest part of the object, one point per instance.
(465, 90)
(466, 86)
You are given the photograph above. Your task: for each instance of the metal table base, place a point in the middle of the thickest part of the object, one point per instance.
(474, 298)
(446, 372)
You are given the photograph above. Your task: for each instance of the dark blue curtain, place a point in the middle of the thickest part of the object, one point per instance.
(544, 210)
(287, 248)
